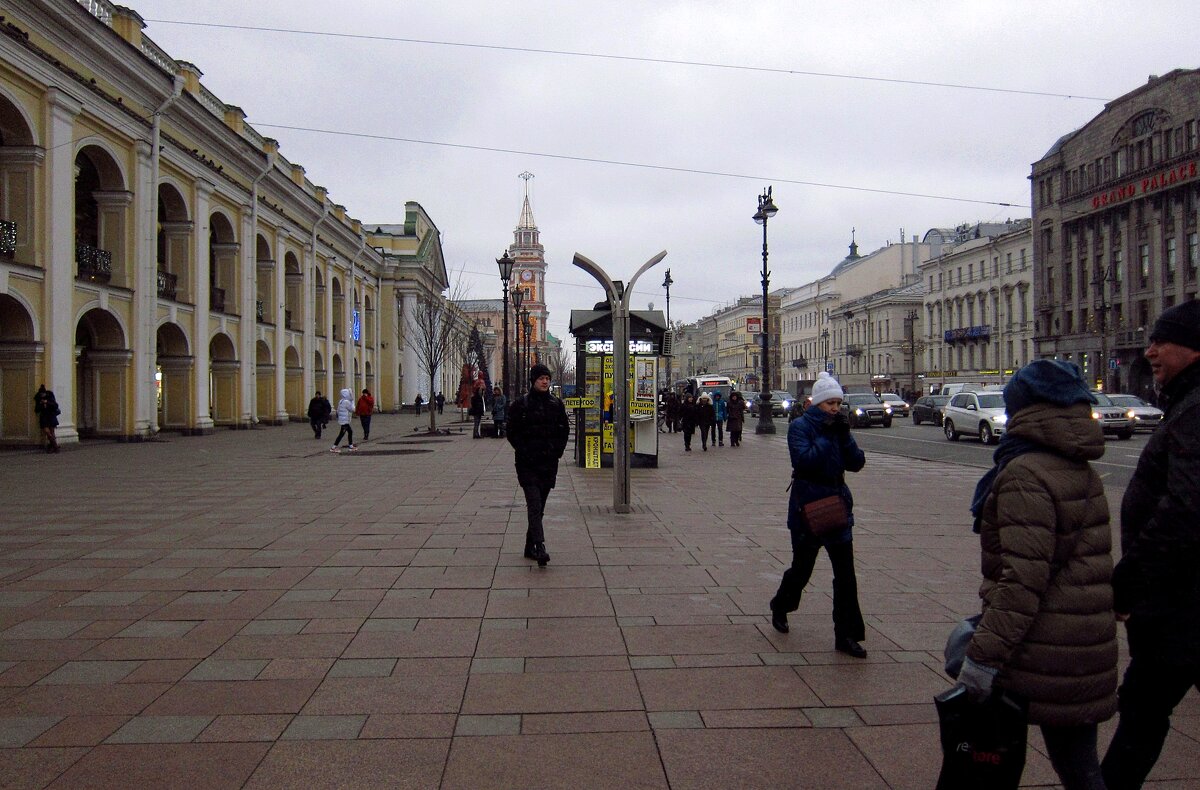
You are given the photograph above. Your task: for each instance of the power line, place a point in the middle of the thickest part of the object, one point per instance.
(640, 165)
(631, 58)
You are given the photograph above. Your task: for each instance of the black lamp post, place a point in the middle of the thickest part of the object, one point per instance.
(506, 266)
(528, 355)
(766, 210)
(518, 296)
(667, 283)
(825, 342)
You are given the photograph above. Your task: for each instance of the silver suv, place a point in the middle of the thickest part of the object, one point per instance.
(978, 413)
(1113, 418)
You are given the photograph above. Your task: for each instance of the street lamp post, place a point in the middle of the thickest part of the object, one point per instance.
(518, 296)
(525, 325)
(766, 210)
(825, 344)
(506, 266)
(667, 283)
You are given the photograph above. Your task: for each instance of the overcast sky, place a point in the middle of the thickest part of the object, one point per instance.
(746, 127)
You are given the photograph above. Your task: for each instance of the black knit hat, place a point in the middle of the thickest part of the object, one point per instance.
(1179, 325)
(537, 371)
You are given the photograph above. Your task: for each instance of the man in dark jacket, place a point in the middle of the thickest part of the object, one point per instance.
(538, 430)
(1156, 585)
(319, 410)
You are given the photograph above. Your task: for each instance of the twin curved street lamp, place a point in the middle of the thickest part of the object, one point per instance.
(766, 210)
(505, 263)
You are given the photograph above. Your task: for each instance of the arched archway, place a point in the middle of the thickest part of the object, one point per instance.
(101, 375)
(264, 382)
(223, 290)
(295, 402)
(174, 246)
(319, 304)
(19, 159)
(265, 279)
(223, 380)
(101, 216)
(293, 316)
(175, 380)
(339, 308)
(20, 362)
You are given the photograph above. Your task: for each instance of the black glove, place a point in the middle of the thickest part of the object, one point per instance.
(841, 424)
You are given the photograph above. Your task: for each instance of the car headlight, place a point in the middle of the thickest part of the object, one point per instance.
(1131, 414)
(1000, 419)
(887, 409)
(787, 404)
(858, 412)
(1095, 415)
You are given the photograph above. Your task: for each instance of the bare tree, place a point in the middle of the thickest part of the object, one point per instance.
(561, 362)
(437, 332)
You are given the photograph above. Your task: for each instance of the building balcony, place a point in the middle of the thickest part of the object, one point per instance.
(287, 319)
(93, 264)
(800, 363)
(258, 310)
(216, 299)
(1131, 338)
(8, 238)
(166, 285)
(854, 350)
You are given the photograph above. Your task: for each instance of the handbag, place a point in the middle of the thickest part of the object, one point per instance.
(826, 515)
(983, 743)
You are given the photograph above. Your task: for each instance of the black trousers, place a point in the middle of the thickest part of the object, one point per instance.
(345, 430)
(365, 419)
(847, 617)
(478, 418)
(536, 495)
(317, 425)
(1149, 693)
(1072, 752)
(687, 437)
(718, 433)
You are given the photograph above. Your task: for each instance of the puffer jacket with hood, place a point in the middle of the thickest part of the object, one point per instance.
(1048, 623)
(345, 407)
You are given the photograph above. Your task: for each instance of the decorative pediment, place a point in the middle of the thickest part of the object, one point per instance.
(1142, 124)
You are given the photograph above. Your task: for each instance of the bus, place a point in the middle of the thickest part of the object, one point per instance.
(705, 383)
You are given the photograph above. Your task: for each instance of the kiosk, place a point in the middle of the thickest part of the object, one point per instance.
(594, 372)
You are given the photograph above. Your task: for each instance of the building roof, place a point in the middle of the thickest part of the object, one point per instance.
(481, 305)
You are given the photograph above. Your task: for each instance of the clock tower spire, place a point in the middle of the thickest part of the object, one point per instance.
(529, 274)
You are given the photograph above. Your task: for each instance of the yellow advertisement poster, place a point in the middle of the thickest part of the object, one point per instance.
(591, 453)
(606, 425)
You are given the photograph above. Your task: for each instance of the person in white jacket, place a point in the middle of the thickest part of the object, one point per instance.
(345, 410)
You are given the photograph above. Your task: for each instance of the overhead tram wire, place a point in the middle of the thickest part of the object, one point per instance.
(631, 58)
(640, 165)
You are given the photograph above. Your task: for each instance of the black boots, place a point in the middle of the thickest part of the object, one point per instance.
(844, 644)
(537, 551)
(779, 621)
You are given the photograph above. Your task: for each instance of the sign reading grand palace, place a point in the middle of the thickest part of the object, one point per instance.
(1151, 183)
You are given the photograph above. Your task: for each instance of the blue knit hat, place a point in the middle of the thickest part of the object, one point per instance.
(1046, 381)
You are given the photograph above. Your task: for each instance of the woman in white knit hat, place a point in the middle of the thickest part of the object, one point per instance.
(822, 451)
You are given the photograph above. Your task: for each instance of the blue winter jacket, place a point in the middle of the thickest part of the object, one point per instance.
(722, 408)
(820, 460)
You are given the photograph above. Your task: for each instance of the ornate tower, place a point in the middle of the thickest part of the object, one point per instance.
(529, 274)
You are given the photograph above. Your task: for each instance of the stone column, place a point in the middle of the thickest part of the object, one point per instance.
(58, 327)
(201, 416)
(248, 323)
(278, 309)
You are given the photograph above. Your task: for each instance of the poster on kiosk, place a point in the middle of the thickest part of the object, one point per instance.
(595, 371)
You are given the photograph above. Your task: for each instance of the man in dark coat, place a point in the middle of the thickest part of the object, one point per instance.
(538, 430)
(1156, 585)
(319, 410)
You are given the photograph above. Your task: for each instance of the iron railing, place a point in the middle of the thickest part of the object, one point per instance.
(166, 284)
(8, 238)
(93, 263)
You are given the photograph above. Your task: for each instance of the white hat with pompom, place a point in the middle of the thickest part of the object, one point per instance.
(826, 387)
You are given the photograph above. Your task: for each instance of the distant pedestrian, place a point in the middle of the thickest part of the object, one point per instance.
(1048, 632)
(417, 401)
(319, 411)
(475, 411)
(440, 400)
(736, 414)
(1156, 584)
(671, 412)
(822, 451)
(687, 421)
(364, 409)
(345, 409)
(45, 406)
(538, 430)
(499, 411)
(706, 418)
(721, 408)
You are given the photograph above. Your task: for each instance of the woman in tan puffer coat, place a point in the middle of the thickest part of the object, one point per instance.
(1048, 632)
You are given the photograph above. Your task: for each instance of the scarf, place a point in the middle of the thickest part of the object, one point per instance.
(1010, 447)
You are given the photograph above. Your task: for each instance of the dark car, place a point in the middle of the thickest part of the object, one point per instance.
(780, 402)
(931, 408)
(865, 409)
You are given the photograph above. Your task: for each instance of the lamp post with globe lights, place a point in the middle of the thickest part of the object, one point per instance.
(766, 210)
(506, 266)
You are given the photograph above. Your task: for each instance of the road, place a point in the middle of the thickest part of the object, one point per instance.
(927, 442)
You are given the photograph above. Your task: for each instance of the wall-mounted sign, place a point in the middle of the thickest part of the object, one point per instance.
(753, 326)
(606, 347)
(1146, 185)
(355, 326)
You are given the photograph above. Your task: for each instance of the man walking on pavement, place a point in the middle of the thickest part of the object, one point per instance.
(318, 413)
(538, 430)
(1156, 585)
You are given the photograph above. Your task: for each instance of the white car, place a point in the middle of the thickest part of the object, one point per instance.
(1145, 416)
(899, 405)
(977, 413)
